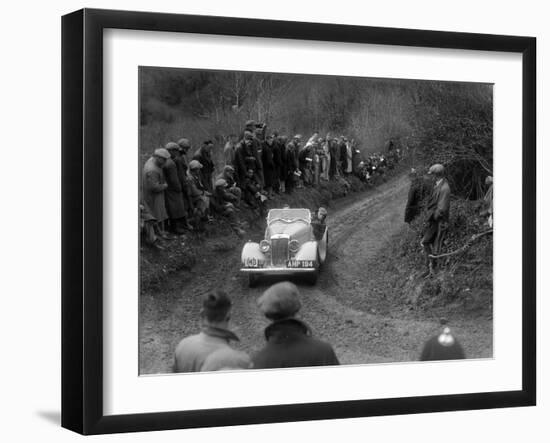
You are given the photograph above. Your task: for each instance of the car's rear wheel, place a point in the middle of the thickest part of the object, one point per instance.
(253, 280)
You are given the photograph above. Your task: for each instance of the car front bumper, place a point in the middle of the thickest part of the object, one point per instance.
(277, 271)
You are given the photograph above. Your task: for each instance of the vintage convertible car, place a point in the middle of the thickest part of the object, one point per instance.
(293, 244)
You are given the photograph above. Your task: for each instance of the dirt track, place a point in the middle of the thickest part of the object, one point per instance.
(337, 308)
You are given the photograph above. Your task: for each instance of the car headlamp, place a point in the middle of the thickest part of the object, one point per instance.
(294, 245)
(265, 246)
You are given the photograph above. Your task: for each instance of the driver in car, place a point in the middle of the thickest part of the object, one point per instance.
(319, 223)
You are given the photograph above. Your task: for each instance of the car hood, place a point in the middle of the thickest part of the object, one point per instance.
(296, 231)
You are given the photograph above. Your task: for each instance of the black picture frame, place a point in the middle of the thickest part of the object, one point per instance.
(82, 219)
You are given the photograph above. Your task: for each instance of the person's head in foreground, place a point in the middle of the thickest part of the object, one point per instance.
(289, 340)
(280, 301)
(443, 346)
(216, 309)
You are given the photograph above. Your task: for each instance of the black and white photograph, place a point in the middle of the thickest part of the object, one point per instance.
(294, 220)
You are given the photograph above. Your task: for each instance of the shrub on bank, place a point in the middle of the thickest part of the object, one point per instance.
(463, 281)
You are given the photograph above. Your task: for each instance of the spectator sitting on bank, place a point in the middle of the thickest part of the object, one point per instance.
(442, 347)
(199, 194)
(289, 341)
(228, 174)
(252, 193)
(192, 352)
(222, 202)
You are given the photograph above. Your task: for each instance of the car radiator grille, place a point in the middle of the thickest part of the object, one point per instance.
(279, 251)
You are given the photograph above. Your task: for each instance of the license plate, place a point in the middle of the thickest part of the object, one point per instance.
(299, 264)
(253, 263)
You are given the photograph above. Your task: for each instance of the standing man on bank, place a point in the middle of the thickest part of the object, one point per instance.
(438, 208)
(174, 192)
(204, 156)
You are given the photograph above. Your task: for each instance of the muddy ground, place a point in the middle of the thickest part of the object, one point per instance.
(343, 308)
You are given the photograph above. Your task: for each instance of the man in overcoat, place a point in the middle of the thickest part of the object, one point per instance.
(204, 156)
(438, 208)
(419, 191)
(246, 158)
(183, 165)
(153, 188)
(173, 194)
(289, 341)
(268, 164)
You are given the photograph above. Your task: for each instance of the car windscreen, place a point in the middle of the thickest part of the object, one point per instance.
(289, 214)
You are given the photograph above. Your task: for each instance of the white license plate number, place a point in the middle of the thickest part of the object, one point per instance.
(299, 264)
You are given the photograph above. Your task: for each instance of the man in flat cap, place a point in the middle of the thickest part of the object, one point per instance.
(200, 196)
(290, 342)
(183, 165)
(438, 208)
(174, 192)
(204, 156)
(153, 187)
(223, 202)
(246, 157)
(192, 352)
(253, 196)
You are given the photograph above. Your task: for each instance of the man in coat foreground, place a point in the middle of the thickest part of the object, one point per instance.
(438, 208)
(290, 342)
(192, 352)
